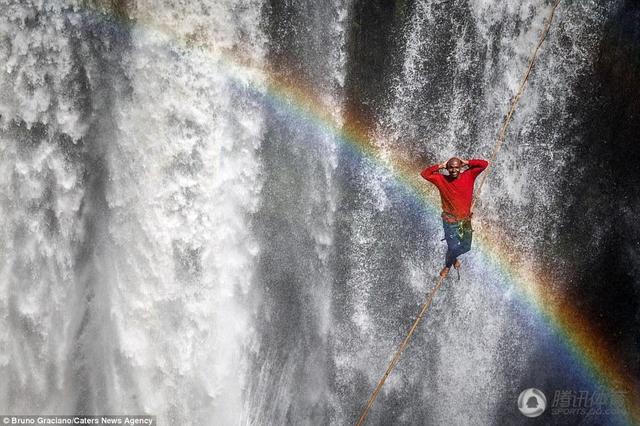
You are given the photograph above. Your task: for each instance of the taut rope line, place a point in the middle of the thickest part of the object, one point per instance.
(502, 135)
(496, 148)
(403, 345)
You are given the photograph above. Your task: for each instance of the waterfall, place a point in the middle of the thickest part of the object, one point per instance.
(295, 222)
(130, 173)
(188, 180)
(57, 121)
(200, 220)
(461, 63)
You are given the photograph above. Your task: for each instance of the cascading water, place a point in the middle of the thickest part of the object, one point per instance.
(295, 221)
(461, 62)
(130, 170)
(192, 225)
(56, 126)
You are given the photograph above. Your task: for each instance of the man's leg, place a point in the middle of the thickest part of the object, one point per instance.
(452, 237)
(457, 242)
(465, 241)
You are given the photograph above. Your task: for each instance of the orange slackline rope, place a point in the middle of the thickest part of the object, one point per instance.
(496, 148)
(403, 345)
(515, 100)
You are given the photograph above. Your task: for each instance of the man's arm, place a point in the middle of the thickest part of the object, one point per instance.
(476, 166)
(431, 173)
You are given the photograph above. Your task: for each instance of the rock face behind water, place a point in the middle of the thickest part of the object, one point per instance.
(201, 217)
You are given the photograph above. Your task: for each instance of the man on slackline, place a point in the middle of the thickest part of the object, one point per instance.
(456, 193)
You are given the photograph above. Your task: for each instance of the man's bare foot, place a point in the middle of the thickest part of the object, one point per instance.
(457, 264)
(444, 272)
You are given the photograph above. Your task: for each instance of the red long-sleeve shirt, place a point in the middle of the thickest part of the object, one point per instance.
(456, 194)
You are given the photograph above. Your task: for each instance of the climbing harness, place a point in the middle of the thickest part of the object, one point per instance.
(463, 226)
(498, 145)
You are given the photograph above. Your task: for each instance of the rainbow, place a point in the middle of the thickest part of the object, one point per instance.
(536, 290)
(581, 338)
